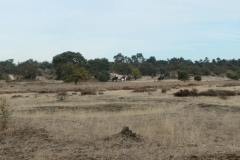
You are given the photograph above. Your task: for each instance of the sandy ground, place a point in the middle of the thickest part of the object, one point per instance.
(118, 123)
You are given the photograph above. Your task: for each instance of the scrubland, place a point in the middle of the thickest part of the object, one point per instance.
(157, 125)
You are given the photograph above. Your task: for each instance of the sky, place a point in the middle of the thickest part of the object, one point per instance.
(192, 29)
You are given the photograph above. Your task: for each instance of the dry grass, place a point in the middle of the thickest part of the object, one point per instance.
(89, 127)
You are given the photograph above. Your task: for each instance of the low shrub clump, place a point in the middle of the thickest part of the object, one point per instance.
(185, 93)
(88, 91)
(197, 78)
(210, 92)
(5, 112)
(127, 88)
(164, 90)
(232, 75)
(62, 95)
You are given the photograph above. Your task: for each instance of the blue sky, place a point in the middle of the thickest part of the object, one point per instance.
(192, 29)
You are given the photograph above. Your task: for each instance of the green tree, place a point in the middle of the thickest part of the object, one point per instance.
(138, 58)
(195, 70)
(1, 76)
(152, 60)
(205, 71)
(73, 73)
(119, 58)
(7, 66)
(45, 65)
(28, 69)
(232, 75)
(136, 73)
(73, 57)
(99, 65)
(183, 75)
(122, 68)
(105, 76)
(147, 68)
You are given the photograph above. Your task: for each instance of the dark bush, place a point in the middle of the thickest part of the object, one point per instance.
(185, 93)
(104, 77)
(212, 92)
(197, 78)
(183, 75)
(127, 88)
(88, 91)
(232, 75)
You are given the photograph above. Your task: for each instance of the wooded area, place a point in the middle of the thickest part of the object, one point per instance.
(69, 66)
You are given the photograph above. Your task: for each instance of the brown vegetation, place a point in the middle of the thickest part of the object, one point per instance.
(209, 92)
(88, 91)
(159, 126)
(185, 93)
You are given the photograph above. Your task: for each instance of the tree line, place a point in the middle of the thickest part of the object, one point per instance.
(74, 67)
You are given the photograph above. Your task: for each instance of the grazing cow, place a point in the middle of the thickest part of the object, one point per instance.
(114, 78)
(161, 78)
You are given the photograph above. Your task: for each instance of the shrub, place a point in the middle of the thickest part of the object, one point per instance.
(197, 78)
(195, 90)
(136, 73)
(104, 77)
(127, 88)
(88, 91)
(212, 92)
(183, 75)
(5, 112)
(62, 95)
(164, 90)
(232, 75)
(185, 93)
(166, 74)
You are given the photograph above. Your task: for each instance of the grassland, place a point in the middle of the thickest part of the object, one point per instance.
(161, 126)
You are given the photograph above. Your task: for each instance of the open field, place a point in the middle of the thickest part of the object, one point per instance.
(161, 126)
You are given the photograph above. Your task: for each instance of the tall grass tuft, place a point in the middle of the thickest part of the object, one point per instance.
(5, 112)
(164, 90)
